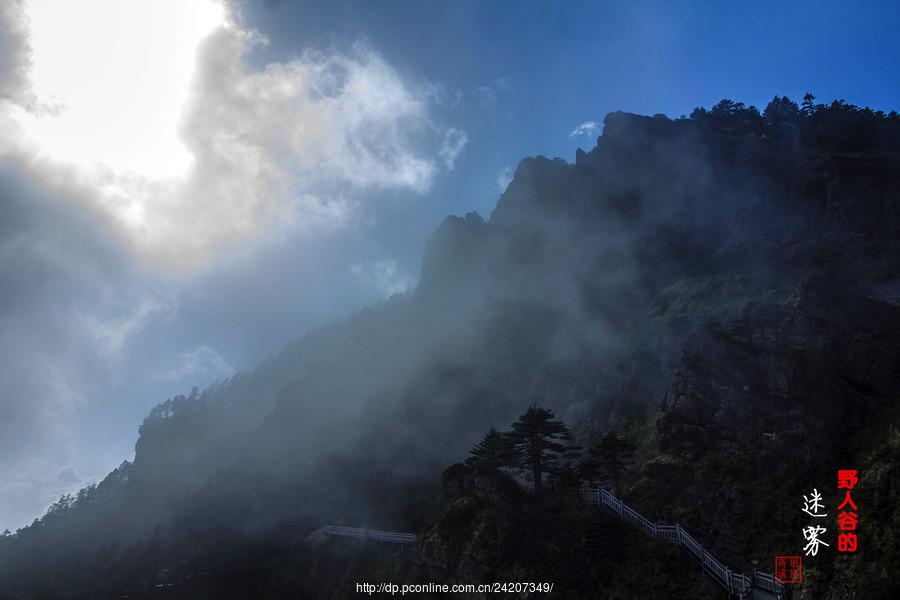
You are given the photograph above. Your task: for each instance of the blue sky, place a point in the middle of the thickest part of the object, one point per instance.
(546, 67)
(131, 275)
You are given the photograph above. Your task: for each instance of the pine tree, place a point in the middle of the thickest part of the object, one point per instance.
(589, 468)
(563, 472)
(493, 452)
(782, 112)
(613, 455)
(808, 108)
(538, 442)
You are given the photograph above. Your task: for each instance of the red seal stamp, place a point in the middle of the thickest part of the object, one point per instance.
(789, 569)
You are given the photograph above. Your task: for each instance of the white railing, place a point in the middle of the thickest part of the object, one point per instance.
(734, 583)
(668, 532)
(766, 581)
(369, 534)
(630, 515)
(741, 582)
(690, 543)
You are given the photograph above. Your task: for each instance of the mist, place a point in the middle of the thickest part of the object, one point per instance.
(344, 248)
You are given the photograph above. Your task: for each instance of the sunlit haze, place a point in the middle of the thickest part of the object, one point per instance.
(151, 115)
(427, 268)
(112, 77)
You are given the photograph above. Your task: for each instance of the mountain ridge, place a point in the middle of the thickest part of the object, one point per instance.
(585, 290)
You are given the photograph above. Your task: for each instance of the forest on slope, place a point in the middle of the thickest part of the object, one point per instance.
(722, 290)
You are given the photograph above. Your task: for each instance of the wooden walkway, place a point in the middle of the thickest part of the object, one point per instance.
(761, 585)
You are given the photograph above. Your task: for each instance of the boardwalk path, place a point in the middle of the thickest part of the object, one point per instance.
(367, 534)
(762, 586)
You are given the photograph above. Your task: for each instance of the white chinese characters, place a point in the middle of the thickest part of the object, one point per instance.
(813, 504)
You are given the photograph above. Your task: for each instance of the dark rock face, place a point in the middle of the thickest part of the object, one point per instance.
(490, 530)
(768, 264)
(477, 530)
(825, 356)
(766, 407)
(460, 480)
(450, 262)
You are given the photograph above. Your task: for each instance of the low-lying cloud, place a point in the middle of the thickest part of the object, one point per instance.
(383, 275)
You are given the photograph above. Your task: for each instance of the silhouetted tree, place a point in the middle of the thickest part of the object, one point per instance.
(732, 117)
(493, 452)
(613, 455)
(781, 114)
(727, 108)
(538, 441)
(589, 468)
(808, 107)
(563, 472)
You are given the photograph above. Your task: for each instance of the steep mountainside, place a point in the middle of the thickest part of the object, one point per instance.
(733, 277)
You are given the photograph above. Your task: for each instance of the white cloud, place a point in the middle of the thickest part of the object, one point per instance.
(503, 179)
(184, 161)
(89, 338)
(200, 360)
(488, 94)
(454, 141)
(383, 275)
(587, 128)
(113, 333)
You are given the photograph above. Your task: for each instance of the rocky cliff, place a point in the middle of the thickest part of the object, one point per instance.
(723, 289)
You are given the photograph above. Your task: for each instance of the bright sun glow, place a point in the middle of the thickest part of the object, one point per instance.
(115, 75)
(145, 113)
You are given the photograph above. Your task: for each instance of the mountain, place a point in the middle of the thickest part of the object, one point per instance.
(724, 289)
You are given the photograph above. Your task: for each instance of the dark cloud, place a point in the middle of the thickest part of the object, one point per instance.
(57, 268)
(14, 53)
